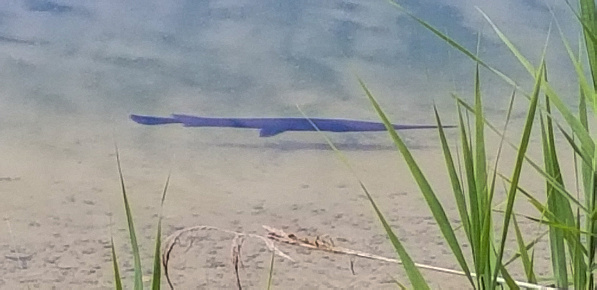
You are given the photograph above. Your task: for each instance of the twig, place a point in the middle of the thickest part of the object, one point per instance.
(328, 246)
(19, 257)
(174, 239)
(237, 244)
(316, 243)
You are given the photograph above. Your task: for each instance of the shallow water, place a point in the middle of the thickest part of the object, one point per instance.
(72, 71)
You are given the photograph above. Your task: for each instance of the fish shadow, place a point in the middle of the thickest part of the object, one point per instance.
(315, 146)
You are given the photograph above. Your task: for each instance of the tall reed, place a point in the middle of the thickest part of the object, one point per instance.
(570, 221)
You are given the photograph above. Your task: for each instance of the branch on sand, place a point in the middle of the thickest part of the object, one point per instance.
(277, 235)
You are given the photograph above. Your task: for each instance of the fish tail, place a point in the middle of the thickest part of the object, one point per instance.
(151, 120)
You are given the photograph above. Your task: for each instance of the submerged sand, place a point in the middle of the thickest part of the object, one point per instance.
(62, 201)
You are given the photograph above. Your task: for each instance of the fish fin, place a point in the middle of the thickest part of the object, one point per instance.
(190, 121)
(150, 120)
(270, 131)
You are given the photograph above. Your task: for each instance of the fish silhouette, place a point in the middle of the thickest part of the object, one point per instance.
(273, 126)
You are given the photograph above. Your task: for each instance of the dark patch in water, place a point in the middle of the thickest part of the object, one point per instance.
(349, 6)
(344, 32)
(48, 6)
(141, 63)
(7, 39)
(312, 71)
(54, 103)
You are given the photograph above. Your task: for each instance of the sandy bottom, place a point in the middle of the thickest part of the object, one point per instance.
(61, 201)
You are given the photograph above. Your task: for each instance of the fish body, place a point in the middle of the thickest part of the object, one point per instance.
(274, 126)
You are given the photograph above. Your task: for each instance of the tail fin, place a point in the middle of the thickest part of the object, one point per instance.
(270, 131)
(150, 120)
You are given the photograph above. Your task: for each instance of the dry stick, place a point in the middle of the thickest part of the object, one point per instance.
(237, 244)
(328, 246)
(15, 249)
(173, 239)
(318, 243)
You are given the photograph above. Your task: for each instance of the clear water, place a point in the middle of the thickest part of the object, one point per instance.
(72, 71)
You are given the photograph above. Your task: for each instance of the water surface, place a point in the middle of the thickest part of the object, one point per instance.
(72, 71)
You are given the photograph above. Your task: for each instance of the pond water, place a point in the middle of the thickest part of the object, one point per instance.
(73, 71)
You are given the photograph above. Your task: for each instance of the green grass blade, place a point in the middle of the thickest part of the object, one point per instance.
(453, 43)
(117, 279)
(588, 19)
(129, 217)
(435, 206)
(454, 179)
(469, 168)
(414, 275)
(475, 212)
(157, 264)
(554, 202)
(400, 285)
(589, 22)
(578, 262)
(562, 205)
(480, 156)
(486, 250)
(552, 219)
(529, 67)
(518, 168)
(532, 163)
(556, 236)
(570, 230)
(563, 209)
(585, 88)
(578, 150)
(589, 35)
(579, 279)
(270, 277)
(587, 173)
(582, 102)
(576, 125)
(527, 247)
(560, 105)
(508, 278)
(487, 245)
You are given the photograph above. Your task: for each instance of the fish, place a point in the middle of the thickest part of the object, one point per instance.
(269, 127)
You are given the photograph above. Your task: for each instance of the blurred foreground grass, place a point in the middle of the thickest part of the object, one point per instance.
(569, 220)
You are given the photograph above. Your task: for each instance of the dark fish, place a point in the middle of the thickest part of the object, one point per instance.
(274, 126)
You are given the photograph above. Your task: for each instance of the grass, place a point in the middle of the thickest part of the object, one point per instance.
(569, 219)
(137, 267)
(158, 256)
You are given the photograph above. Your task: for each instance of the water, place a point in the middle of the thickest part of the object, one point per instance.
(72, 71)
